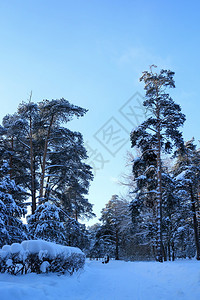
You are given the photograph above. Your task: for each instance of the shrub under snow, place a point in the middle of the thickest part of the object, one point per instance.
(39, 256)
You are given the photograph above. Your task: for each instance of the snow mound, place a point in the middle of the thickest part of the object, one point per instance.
(40, 256)
(35, 246)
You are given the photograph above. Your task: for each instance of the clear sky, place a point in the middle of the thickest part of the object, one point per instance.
(93, 53)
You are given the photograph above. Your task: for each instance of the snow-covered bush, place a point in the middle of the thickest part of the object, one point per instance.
(40, 256)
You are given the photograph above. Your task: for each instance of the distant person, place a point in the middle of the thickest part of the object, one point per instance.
(106, 259)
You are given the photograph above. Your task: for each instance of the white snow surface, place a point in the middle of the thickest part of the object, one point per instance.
(117, 280)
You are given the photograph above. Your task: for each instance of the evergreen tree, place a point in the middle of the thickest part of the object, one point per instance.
(187, 171)
(46, 158)
(143, 205)
(69, 177)
(112, 217)
(171, 214)
(76, 234)
(47, 223)
(53, 114)
(11, 227)
(158, 134)
(28, 115)
(96, 247)
(13, 152)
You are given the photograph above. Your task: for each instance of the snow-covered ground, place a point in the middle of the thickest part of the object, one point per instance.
(118, 280)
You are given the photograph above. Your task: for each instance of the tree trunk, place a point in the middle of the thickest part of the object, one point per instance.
(47, 193)
(11, 158)
(159, 187)
(76, 215)
(195, 224)
(198, 215)
(173, 252)
(44, 160)
(32, 160)
(169, 250)
(164, 251)
(116, 245)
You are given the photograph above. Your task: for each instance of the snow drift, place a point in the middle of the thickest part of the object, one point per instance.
(40, 256)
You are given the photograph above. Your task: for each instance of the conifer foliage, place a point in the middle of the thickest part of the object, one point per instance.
(11, 227)
(47, 161)
(158, 134)
(187, 174)
(109, 237)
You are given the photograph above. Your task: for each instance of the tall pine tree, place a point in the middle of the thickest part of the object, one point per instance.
(159, 133)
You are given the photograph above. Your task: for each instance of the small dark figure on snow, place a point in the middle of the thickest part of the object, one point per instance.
(106, 259)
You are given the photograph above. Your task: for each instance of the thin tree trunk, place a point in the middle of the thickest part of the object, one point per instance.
(159, 187)
(32, 160)
(164, 251)
(11, 158)
(169, 250)
(44, 160)
(159, 211)
(169, 240)
(198, 215)
(173, 252)
(76, 215)
(75, 205)
(116, 245)
(195, 224)
(46, 194)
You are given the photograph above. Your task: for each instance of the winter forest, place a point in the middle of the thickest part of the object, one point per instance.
(45, 180)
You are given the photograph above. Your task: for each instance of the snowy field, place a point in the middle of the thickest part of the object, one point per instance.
(117, 280)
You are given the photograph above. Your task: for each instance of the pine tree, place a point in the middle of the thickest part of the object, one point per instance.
(69, 177)
(47, 223)
(76, 234)
(46, 158)
(171, 220)
(112, 217)
(13, 152)
(159, 133)
(28, 114)
(187, 171)
(53, 114)
(96, 247)
(11, 227)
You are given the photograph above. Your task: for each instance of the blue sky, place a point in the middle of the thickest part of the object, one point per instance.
(93, 53)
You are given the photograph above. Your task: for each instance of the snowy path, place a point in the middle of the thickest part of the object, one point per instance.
(117, 280)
